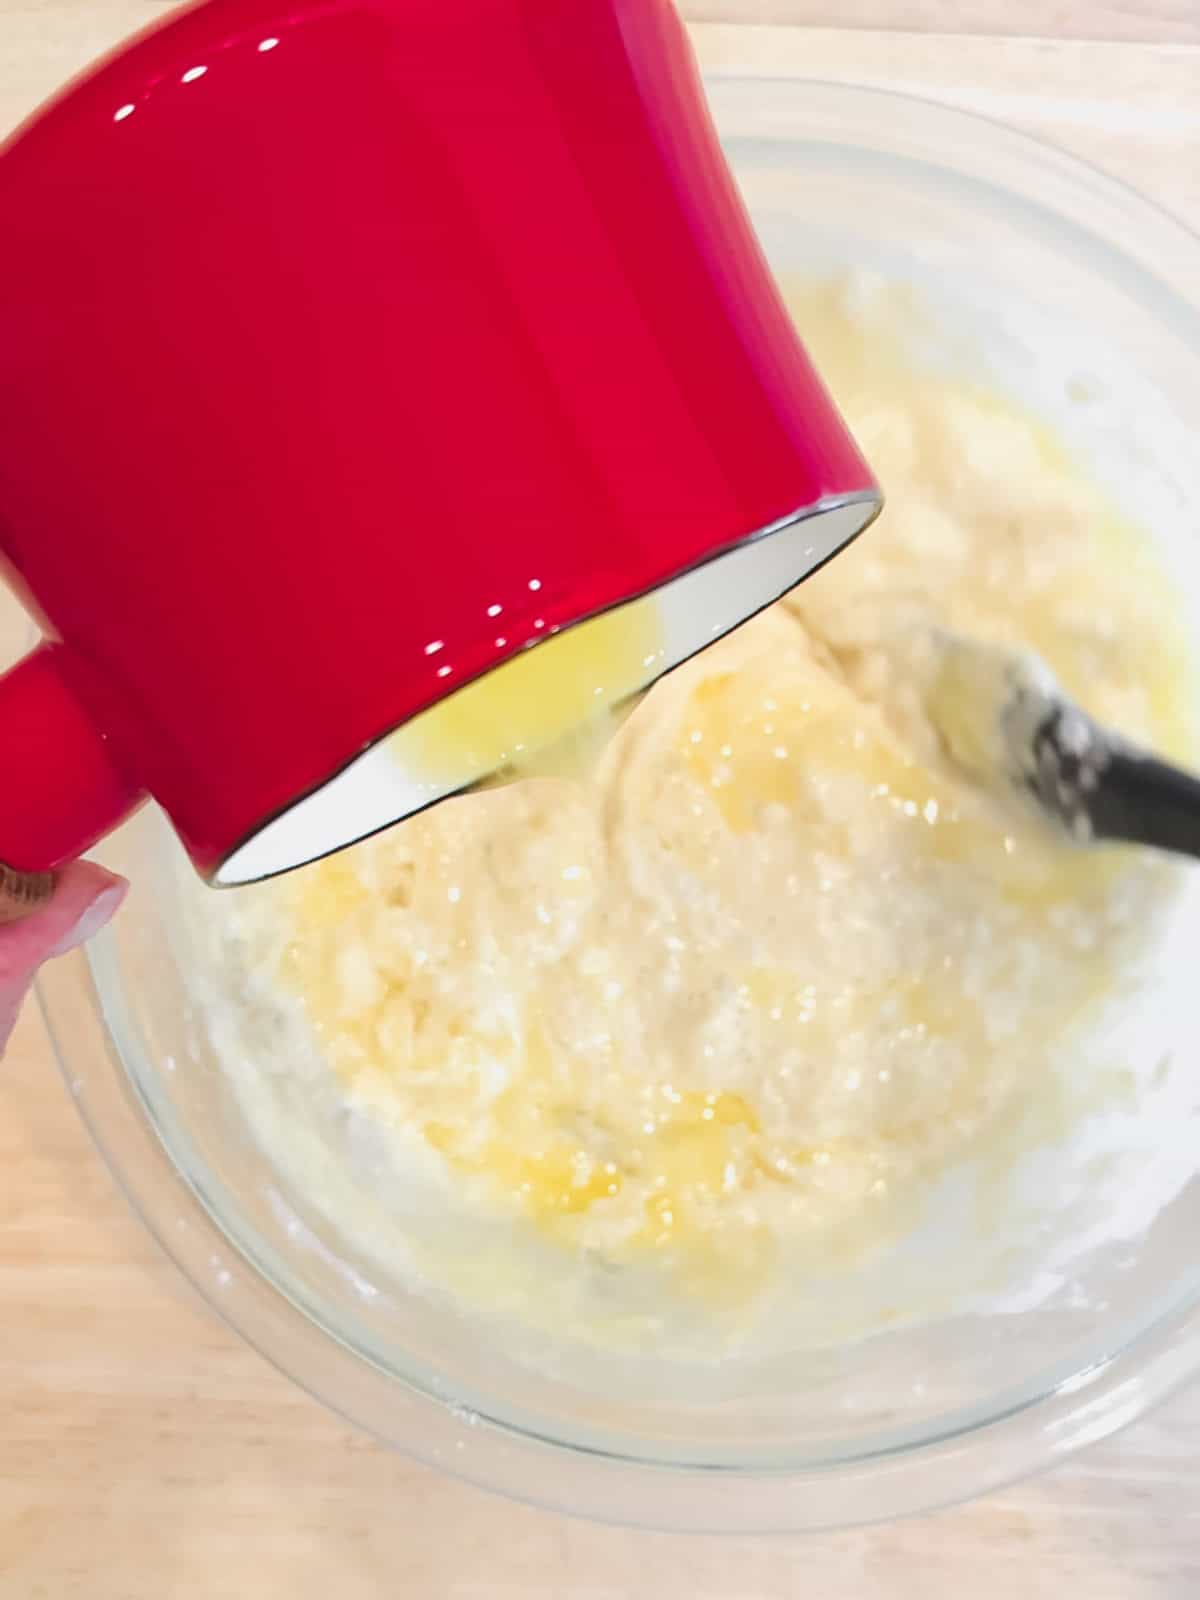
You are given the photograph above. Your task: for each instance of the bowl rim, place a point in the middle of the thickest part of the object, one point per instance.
(982, 1455)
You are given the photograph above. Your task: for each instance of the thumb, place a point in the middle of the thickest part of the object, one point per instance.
(83, 899)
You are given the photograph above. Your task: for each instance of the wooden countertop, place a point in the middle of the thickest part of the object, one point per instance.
(146, 1455)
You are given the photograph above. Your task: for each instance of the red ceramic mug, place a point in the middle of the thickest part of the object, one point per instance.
(329, 333)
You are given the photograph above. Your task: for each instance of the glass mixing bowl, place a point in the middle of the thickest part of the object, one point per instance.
(916, 1415)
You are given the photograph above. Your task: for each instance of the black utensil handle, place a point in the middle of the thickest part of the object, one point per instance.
(1101, 788)
(1142, 800)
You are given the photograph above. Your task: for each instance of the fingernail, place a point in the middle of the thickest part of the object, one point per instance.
(93, 919)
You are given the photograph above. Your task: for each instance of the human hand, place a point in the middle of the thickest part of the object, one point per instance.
(40, 919)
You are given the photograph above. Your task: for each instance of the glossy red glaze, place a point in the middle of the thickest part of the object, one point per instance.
(327, 328)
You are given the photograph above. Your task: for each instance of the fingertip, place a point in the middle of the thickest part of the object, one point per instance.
(85, 880)
(85, 896)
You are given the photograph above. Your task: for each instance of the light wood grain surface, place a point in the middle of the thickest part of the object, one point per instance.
(146, 1455)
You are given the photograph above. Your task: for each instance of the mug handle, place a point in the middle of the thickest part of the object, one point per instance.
(62, 789)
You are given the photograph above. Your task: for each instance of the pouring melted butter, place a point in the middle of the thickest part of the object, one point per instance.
(733, 992)
(545, 710)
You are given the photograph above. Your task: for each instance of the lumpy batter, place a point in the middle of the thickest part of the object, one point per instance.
(739, 994)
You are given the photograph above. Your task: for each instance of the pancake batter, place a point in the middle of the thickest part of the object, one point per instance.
(732, 999)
